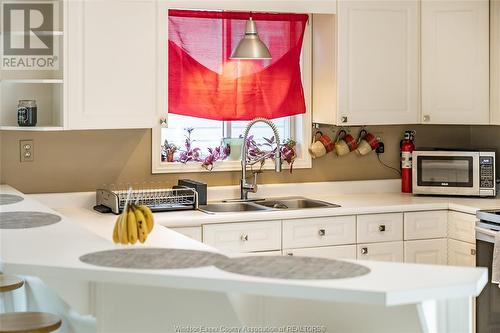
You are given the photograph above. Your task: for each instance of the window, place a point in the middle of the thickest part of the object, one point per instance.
(209, 133)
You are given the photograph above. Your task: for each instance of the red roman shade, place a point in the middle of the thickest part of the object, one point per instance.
(203, 82)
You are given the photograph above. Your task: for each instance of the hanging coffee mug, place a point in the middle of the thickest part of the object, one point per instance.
(317, 149)
(351, 141)
(322, 145)
(366, 143)
(341, 147)
(326, 141)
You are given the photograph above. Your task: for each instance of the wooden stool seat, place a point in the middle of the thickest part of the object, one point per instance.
(28, 322)
(10, 282)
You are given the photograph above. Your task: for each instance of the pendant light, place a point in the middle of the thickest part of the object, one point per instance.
(251, 46)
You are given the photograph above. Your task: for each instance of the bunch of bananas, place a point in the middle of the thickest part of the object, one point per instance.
(134, 224)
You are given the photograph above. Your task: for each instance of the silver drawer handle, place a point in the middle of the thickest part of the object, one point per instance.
(244, 238)
(364, 250)
(322, 232)
(381, 227)
(289, 254)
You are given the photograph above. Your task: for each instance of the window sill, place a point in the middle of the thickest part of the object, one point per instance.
(192, 167)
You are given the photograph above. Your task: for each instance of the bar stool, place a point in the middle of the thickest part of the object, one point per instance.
(29, 322)
(9, 283)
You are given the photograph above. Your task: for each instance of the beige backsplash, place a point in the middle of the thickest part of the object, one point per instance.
(74, 161)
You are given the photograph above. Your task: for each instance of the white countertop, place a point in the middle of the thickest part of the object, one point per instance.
(54, 251)
(363, 197)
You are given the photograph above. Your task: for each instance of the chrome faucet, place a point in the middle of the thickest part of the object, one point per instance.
(246, 187)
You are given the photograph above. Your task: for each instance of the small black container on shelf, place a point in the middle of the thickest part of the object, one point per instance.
(27, 113)
(199, 187)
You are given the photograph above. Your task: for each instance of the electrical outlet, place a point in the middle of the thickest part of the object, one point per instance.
(27, 150)
(381, 148)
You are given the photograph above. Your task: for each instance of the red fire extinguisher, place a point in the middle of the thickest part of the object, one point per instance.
(407, 147)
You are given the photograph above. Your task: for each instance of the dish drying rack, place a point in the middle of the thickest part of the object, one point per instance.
(158, 200)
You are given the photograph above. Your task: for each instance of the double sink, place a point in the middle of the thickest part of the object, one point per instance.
(287, 203)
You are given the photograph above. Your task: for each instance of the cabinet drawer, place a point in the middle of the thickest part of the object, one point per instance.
(191, 232)
(428, 251)
(244, 237)
(321, 231)
(422, 225)
(380, 228)
(390, 251)
(262, 254)
(461, 253)
(461, 227)
(328, 252)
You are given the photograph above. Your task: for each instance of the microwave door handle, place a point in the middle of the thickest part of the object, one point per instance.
(487, 232)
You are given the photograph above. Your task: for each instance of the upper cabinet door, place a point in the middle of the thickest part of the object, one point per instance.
(378, 62)
(455, 62)
(112, 64)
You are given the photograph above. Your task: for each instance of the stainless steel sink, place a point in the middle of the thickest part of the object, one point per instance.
(295, 203)
(231, 207)
(264, 205)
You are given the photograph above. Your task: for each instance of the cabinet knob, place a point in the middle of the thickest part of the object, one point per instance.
(322, 232)
(163, 121)
(427, 117)
(473, 252)
(381, 227)
(244, 238)
(289, 254)
(343, 119)
(364, 250)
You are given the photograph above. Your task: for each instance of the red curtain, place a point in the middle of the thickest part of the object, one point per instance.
(203, 82)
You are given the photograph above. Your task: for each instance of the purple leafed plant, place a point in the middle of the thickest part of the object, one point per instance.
(189, 154)
(256, 151)
(214, 155)
(265, 150)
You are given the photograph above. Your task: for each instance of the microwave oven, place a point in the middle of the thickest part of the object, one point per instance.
(454, 172)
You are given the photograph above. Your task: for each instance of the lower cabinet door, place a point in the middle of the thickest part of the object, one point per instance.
(461, 253)
(428, 251)
(328, 252)
(388, 251)
(244, 236)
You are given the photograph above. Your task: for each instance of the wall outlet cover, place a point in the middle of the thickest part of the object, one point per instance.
(27, 150)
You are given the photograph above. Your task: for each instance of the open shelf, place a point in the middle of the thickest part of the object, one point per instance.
(48, 97)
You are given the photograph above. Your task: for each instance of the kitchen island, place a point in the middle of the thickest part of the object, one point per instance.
(392, 297)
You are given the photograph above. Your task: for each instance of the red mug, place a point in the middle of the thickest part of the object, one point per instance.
(325, 140)
(366, 143)
(351, 142)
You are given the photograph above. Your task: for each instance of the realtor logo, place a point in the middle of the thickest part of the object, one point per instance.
(30, 40)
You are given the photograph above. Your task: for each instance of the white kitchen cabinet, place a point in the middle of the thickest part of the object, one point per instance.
(495, 61)
(455, 62)
(191, 232)
(461, 253)
(379, 227)
(244, 236)
(423, 225)
(321, 231)
(116, 64)
(327, 252)
(387, 251)
(378, 65)
(428, 251)
(461, 227)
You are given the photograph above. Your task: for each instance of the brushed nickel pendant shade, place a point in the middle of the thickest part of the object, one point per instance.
(251, 46)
